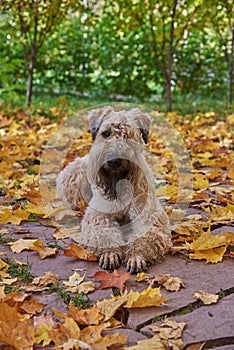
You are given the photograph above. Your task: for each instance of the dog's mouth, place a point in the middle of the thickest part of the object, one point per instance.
(110, 173)
(116, 167)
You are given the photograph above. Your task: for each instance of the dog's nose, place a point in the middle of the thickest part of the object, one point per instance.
(114, 163)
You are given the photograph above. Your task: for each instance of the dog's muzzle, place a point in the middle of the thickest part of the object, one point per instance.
(114, 163)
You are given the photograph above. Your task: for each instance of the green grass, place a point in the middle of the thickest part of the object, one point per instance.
(21, 272)
(80, 299)
(5, 239)
(183, 104)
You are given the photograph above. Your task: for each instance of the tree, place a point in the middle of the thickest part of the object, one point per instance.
(162, 25)
(36, 19)
(222, 22)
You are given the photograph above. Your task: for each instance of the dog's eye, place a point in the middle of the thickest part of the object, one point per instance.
(106, 133)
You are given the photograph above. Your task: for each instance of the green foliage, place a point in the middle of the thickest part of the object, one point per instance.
(21, 272)
(125, 49)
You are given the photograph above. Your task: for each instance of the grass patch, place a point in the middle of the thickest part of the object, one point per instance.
(6, 239)
(79, 300)
(21, 272)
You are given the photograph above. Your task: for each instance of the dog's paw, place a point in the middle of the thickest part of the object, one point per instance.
(136, 264)
(109, 260)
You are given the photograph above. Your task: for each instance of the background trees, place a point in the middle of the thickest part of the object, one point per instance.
(137, 48)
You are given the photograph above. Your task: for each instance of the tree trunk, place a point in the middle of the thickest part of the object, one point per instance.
(30, 70)
(168, 94)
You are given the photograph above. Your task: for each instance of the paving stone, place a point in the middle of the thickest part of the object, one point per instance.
(213, 324)
(197, 276)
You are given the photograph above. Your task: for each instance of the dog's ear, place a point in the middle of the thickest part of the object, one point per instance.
(96, 117)
(143, 121)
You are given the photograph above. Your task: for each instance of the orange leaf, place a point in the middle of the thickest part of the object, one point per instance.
(15, 330)
(113, 279)
(80, 253)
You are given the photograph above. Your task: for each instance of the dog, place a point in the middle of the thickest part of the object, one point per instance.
(124, 221)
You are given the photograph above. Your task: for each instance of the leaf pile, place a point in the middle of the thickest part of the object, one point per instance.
(24, 321)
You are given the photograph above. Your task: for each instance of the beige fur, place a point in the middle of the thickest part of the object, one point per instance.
(124, 220)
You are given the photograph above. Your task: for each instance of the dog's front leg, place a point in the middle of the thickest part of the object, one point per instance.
(101, 234)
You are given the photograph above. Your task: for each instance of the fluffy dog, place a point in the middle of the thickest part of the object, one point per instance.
(124, 220)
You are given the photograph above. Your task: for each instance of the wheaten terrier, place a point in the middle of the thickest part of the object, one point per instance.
(124, 220)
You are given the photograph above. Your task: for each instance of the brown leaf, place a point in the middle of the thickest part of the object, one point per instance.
(206, 298)
(172, 284)
(79, 253)
(15, 330)
(113, 279)
(92, 316)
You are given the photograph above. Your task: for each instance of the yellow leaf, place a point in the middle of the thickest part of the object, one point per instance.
(109, 307)
(154, 343)
(149, 297)
(74, 280)
(15, 217)
(22, 244)
(214, 255)
(200, 183)
(41, 334)
(207, 241)
(142, 277)
(206, 298)
(32, 244)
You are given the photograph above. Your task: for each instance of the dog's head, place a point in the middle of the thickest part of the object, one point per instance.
(106, 123)
(119, 138)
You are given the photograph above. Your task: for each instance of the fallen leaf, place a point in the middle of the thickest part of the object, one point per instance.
(206, 298)
(32, 307)
(79, 252)
(65, 331)
(214, 255)
(87, 317)
(113, 279)
(109, 307)
(170, 334)
(172, 284)
(148, 297)
(32, 244)
(76, 284)
(142, 277)
(153, 343)
(13, 217)
(15, 330)
(41, 334)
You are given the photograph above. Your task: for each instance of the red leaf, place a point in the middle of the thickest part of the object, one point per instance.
(113, 279)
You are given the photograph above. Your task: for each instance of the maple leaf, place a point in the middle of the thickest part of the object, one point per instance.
(113, 279)
(206, 298)
(41, 334)
(109, 307)
(148, 297)
(153, 343)
(214, 255)
(170, 333)
(78, 252)
(92, 335)
(13, 217)
(172, 284)
(142, 277)
(32, 244)
(65, 331)
(76, 284)
(15, 330)
(92, 316)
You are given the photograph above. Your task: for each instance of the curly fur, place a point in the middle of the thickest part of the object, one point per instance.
(124, 220)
